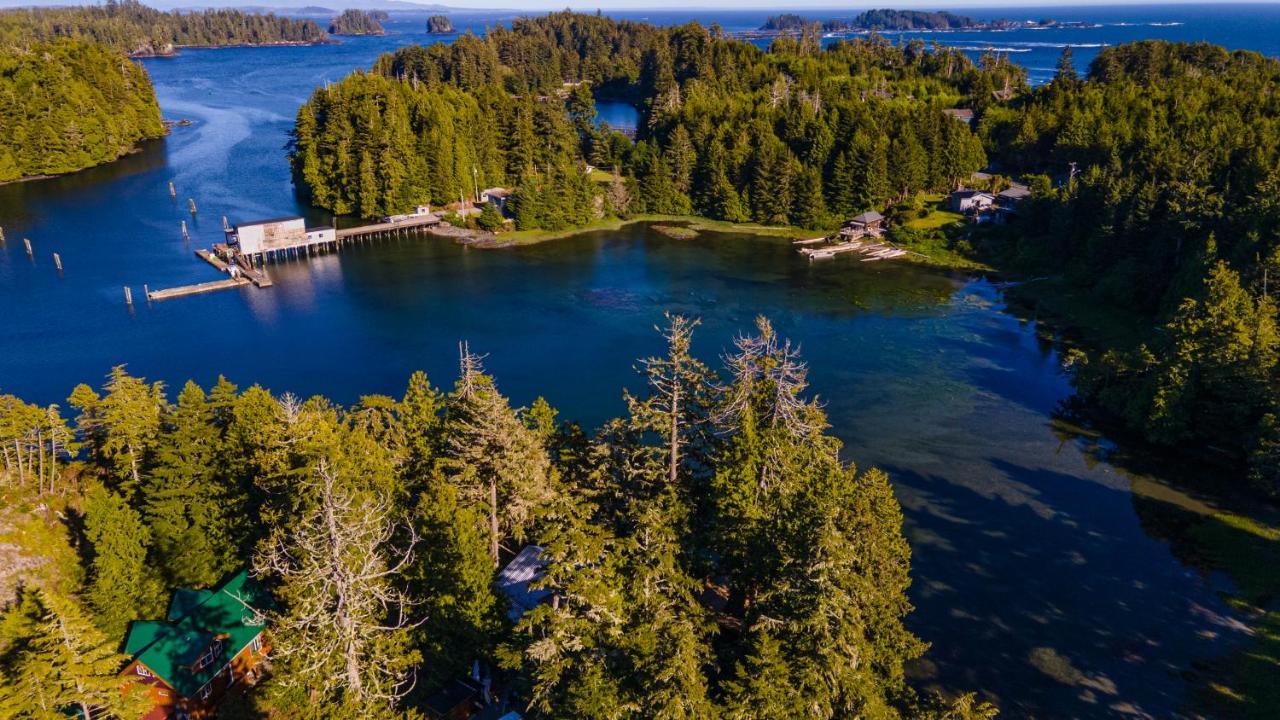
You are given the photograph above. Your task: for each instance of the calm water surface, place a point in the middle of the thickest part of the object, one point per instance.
(1043, 575)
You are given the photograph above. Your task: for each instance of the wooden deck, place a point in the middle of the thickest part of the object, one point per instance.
(197, 289)
(869, 250)
(428, 220)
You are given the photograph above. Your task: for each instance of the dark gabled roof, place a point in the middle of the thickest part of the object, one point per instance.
(269, 221)
(525, 568)
(867, 218)
(319, 227)
(229, 612)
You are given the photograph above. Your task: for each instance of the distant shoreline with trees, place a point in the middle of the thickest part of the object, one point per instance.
(141, 31)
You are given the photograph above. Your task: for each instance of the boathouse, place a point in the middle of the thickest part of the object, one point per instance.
(262, 239)
(209, 641)
(868, 223)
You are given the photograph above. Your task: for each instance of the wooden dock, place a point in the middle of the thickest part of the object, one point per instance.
(197, 289)
(870, 251)
(422, 221)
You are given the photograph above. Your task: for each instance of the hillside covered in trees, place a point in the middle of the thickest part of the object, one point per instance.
(140, 31)
(795, 135)
(66, 105)
(875, 20)
(706, 555)
(1173, 216)
(358, 22)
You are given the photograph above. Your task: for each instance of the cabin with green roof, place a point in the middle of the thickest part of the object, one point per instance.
(210, 640)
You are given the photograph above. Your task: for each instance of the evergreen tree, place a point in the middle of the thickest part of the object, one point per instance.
(497, 462)
(68, 668)
(453, 574)
(193, 513)
(122, 585)
(122, 426)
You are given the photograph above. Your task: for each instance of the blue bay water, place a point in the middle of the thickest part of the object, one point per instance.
(1035, 548)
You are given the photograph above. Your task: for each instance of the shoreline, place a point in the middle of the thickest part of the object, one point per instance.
(281, 43)
(693, 222)
(485, 240)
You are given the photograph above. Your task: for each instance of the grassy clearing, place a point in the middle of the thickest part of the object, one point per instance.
(531, 237)
(939, 216)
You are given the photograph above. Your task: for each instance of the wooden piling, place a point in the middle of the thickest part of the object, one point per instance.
(128, 295)
(146, 291)
(1, 236)
(191, 203)
(173, 192)
(27, 243)
(57, 261)
(185, 236)
(225, 226)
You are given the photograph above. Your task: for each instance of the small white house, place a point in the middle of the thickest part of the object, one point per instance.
(971, 201)
(496, 195)
(321, 234)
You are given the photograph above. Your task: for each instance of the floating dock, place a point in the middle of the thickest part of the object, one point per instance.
(197, 289)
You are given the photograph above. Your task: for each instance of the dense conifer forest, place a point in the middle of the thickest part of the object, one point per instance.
(133, 28)
(358, 22)
(1171, 218)
(796, 135)
(1154, 177)
(875, 20)
(66, 105)
(707, 554)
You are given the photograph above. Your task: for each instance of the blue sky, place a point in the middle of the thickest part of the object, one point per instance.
(588, 5)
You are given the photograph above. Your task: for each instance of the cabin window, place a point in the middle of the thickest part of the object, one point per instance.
(257, 643)
(205, 660)
(205, 692)
(143, 671)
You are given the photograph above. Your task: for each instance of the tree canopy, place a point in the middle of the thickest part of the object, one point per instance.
(796, 135)
(707, 553)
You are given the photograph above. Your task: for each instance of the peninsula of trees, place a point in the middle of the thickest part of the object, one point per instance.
(358, 22)
(1171, 220)
(876, 20)
(705, 555)
(66, 105)
(439, 25)
(140, 31)
(797, 135)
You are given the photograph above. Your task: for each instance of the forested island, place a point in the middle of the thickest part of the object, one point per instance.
(130, 27)
(704, 555)
(874, 20)
(729, 131)
(359, 22)
(66, 105)
(439, 25)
